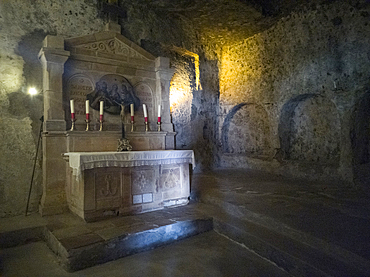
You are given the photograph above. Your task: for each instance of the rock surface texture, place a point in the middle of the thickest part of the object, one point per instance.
(281, 86)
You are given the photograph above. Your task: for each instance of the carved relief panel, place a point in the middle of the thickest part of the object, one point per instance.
(170, 181)
(142, 185)
(108, 189)
(170, 178)
(114, 90)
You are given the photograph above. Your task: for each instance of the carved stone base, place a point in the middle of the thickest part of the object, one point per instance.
(104, 192)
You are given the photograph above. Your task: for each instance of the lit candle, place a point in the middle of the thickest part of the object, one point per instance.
(132, 111)
(101, 109)
(159, 113)
(72, 109)
(87, 110)
(145, 113)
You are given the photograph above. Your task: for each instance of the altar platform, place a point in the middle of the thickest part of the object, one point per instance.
(80, 245)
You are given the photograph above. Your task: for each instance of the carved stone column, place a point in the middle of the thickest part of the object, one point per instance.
(52, 57)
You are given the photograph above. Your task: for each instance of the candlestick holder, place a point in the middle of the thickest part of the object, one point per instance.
(146, 126)
(132, 125)
(73, 127)
(101, 125)
(159, 126)
(87, 124)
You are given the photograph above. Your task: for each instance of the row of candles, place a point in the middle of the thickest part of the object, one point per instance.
(101, 112)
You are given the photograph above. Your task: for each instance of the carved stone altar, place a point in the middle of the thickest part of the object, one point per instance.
(101, 66)
(111, 183)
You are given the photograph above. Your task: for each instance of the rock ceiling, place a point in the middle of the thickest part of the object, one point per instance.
(228, 20)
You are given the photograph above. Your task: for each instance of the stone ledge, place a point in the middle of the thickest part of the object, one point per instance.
(124, 236)
(80, 245)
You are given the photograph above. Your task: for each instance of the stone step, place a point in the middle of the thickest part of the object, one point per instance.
(20, 230)
(296, 252)
(95, 243)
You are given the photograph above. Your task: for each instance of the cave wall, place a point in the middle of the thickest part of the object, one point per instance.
(306, 73)
(23, 26)
(292, 99)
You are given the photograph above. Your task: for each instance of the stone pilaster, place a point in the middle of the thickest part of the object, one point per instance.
(52, 57)
(53, 200)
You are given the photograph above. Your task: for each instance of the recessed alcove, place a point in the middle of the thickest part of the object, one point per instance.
(246, 131)
(309, 130)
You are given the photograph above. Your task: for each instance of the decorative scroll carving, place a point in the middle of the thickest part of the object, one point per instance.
(113, 46)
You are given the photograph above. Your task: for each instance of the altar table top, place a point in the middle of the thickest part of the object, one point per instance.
(80, 161)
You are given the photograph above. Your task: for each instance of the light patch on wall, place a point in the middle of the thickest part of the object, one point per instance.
(179, 90)
(11, 71)
(241, 72)
(12, 79)
(180, 98)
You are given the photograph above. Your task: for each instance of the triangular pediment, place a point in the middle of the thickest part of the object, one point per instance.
(109, 43)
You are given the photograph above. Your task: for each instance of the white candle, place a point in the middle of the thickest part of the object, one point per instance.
(87, 107)
(159, 110)
(101, 107)
(132, 109)
(144, 109)
(72, 106)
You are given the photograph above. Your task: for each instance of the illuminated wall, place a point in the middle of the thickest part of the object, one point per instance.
(234, 84)
(320, 51)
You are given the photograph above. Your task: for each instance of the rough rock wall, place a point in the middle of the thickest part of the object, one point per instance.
(291, 99)
(23, 26)
(306, 72)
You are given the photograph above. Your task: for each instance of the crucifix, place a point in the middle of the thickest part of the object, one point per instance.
(123, 143)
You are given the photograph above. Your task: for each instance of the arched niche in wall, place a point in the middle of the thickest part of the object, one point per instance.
(309, 130)
(360, 139)
(246, 130)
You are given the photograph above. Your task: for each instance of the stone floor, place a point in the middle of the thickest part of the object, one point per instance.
(335, 212)
(277, 227)
(332, 217)
(207, 254)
